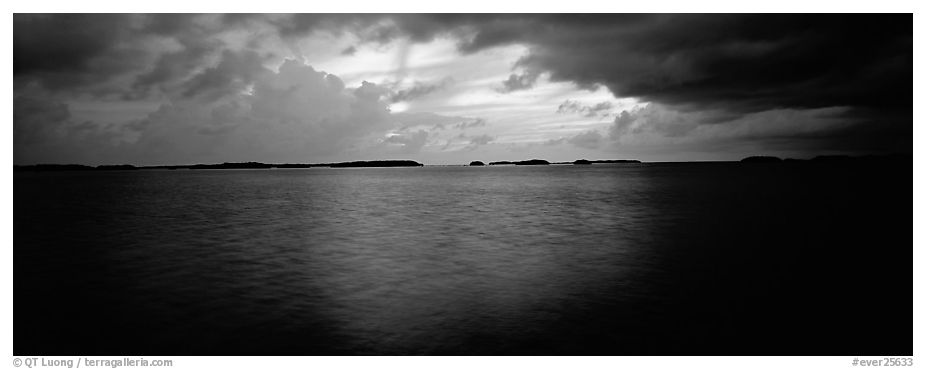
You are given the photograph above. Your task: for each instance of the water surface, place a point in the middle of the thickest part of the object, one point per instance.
(717, 259)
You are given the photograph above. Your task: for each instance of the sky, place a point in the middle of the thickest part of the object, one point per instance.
(150, 89)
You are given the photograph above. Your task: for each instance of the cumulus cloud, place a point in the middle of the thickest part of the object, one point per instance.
(554, 141)
(588, 139)
(724, 66)
(601, 109)
(521, 81)
(463, 142)
(419, 90)
(478, 122)
(408, 143)
(711, 68)
(476, 141)
(233, 74)
(240, 110)
(351, 50)
(235, 110)
(799, 60)
(480, 140)
(657, 119)
(434, 122)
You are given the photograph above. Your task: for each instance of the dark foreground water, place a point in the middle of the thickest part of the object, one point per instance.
(696, 259)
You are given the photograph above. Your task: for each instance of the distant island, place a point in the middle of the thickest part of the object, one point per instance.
(761, 159)
(377, 164)
(621, 161)
(248, 165)
(523, 162)
(532, 162)
(116, 167)
(829, 159)
(476, 163)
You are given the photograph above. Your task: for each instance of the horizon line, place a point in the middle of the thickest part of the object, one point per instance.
(416, 163)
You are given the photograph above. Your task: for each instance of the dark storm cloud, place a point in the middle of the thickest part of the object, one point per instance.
(63, 52)
(738, 62)
(733, 62)
(34, 119)
(382, 27)
(196, 45)
(726, 75)
(741, 63)
(62, 43)
(721, 68)
(744, 63)
(68, 49)
(234, 73)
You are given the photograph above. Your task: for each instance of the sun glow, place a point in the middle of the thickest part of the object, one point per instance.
(398, 107)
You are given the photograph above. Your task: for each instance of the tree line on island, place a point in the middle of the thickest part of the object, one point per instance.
(544, 162)
(829, 159)
(246, 165)
(258, 165)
